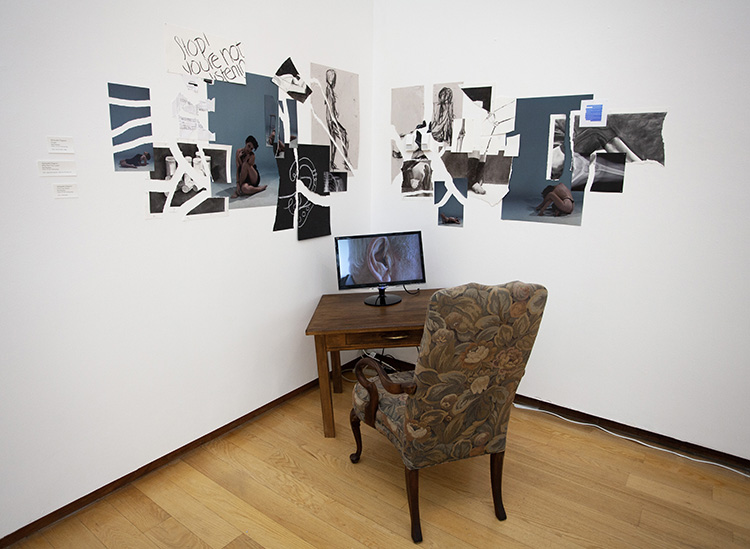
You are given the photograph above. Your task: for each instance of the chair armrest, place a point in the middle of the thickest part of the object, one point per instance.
(389, 385)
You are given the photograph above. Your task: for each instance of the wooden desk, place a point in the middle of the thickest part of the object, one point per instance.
(343, 321)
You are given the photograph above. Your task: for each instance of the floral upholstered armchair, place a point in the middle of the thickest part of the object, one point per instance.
(456, 403)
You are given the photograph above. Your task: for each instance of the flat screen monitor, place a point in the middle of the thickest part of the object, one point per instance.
(379, 261)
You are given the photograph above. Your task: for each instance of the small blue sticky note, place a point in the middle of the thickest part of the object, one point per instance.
(594, 112)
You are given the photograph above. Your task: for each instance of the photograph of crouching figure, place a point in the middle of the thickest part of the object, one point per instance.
(558, 199)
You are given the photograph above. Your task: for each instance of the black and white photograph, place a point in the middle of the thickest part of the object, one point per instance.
(450, 210)
(636, 135)
(186, 169)
(336, 182)
(211, 205)
(481, 95)
(288, 79)
(609, 172)
(416, 176)
(557, 151)
(486, 176)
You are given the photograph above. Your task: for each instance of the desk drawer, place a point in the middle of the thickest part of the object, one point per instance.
(405, 338)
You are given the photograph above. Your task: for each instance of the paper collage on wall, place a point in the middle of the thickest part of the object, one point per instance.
(235, 143)
(537, 157)
(461, 138)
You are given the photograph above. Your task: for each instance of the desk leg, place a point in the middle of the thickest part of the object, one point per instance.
(336, 371)
(324, 380)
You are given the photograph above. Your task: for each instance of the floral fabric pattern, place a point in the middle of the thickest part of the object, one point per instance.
(474, 350)
(389, 419)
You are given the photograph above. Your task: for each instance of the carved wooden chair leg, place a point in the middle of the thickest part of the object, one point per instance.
(412, 496)
(354, 420)
(496, 478)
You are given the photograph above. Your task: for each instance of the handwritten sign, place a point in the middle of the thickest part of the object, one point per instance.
(196, 54)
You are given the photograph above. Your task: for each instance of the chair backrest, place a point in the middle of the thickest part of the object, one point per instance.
(476, 343)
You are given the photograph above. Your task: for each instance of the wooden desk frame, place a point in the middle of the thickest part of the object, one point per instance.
(343, 322)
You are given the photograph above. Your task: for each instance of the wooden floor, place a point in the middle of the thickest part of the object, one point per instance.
(277, 482)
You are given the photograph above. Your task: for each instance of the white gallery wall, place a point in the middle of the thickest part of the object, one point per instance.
(124, 338)
(648, 299)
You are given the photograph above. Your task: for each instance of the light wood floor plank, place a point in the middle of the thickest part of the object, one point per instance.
(170, 533)
(193, 514)
(70, 533)
(219, 463)
(732, 495)
(681, 473)
(113, 529)
(246, 518)
(352, 489)
(277, 482)
(137, 508)
(742, 539)
(704, 506)
(684, 531)
(306, 489)
(244, 542)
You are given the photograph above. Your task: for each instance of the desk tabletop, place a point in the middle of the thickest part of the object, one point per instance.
(347, 312)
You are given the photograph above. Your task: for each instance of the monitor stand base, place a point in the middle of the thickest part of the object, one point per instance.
(382, 299)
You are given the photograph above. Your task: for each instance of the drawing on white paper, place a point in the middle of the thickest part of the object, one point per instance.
(446, 108)
(335, 106)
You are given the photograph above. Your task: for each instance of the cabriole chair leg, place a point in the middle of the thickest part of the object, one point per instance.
(354, 420)
(412, 496)
(496, 478)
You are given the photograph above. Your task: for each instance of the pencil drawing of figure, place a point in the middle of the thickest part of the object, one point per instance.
(338, 133)
(442, 117)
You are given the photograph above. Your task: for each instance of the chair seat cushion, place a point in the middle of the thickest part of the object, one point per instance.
(389, 418)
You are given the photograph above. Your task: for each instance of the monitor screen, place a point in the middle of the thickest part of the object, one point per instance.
(377, 260)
